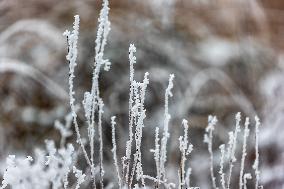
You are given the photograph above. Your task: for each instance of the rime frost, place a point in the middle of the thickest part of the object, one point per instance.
(244, 153)
(48, 168)
(185, 150)
(208, 138)
(166, 135)
(80, 177)
(256, 162)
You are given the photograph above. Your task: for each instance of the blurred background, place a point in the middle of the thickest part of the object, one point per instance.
(227, 56)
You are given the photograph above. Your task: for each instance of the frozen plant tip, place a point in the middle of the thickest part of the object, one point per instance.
(156, 152)
(138, 131)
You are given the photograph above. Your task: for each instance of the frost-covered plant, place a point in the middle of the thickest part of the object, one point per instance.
(256, 162)
(244, 153)
(208, 137)
(92, 103)
(49, 168)
(232, 148)
(20, 173)
(166, 135)
(156, 152)
(221, 170)
(185, 150)
(230, 154)
(52, 166)
(137, 114)
(65, 130)
(79, 176)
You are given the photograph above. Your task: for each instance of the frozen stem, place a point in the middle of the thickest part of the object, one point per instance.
(244, 153)
(208, 138)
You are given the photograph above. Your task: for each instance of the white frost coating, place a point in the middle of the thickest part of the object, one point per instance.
(143, 89)
(133, 112)
(137, 116)
(166, 135)
(65, 130)
(79, 176)
(93, 104)
(256, 162)
(230, 144)
(208, 137)
(132, 61)
(221, 170)
(232, 147)
(103, 28)
(96, 101)
(113, 123)
(25, 69)
(100, 112)
(90, 99)
(101, 40)
(156, 152)
(87, 104)
(166, 10)
(246, 177)
(59, 158)
(72, 38)
(244, 153)
(39, 172)
(138, 131)
(185, 150)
